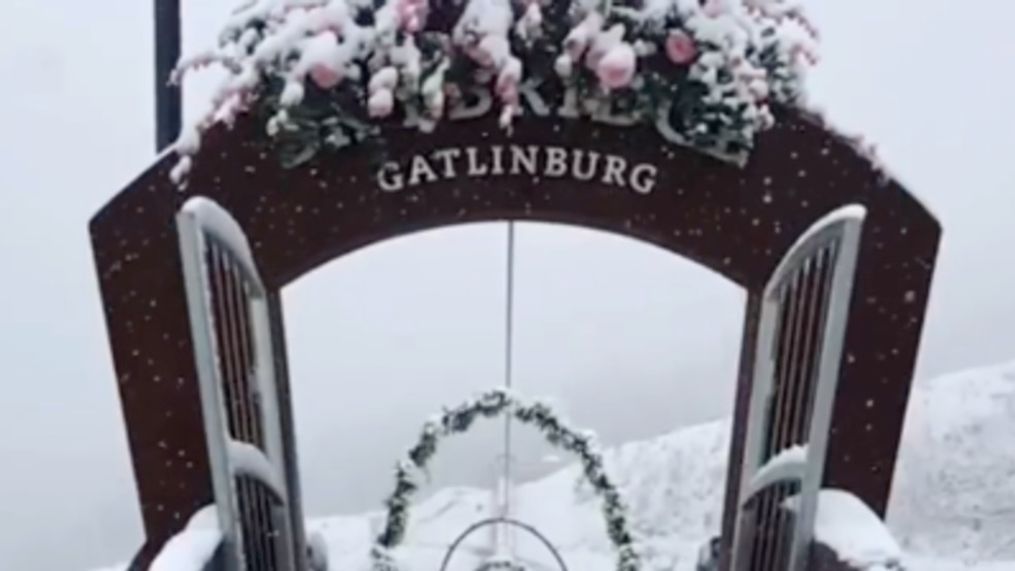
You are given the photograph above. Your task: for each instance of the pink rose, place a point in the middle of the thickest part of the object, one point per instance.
(381, 103)
(617, 66)
(411, 14)
(603, 42)
(680, 47)
(325, 76)
(714, 8)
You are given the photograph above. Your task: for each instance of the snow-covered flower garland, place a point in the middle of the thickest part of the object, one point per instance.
(458, 420)
(322, 72)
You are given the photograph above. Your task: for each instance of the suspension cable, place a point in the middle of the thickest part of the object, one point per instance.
(508, 357)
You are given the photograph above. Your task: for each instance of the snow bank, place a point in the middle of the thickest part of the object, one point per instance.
(850, 529)
(953, 494)
(952, 507)
(193, 548)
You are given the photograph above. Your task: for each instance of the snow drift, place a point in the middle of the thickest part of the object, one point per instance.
(952, 508)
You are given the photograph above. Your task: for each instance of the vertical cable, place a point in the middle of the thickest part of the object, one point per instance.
(509, 295)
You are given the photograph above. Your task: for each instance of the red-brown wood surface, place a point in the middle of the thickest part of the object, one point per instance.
(735, 221)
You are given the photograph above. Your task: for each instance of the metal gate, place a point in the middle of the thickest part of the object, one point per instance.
(233, 348)
(802, 327)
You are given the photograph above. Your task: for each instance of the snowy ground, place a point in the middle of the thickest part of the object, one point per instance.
(953, 506)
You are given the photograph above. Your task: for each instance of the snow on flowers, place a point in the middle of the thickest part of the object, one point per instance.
(323, 73)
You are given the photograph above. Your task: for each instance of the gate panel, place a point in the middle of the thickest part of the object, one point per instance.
(800, 339)
(233, 348)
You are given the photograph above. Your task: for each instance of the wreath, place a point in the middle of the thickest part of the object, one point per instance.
(325, 74)
(457, 421)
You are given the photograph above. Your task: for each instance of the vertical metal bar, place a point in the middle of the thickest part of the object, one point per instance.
(508, 370)
(233, 370)
(168, 98)
(797, 396)
(773, 315)
(805, 396)
(248, 415)
(200, 308)
(250, 490)
(235, 349)
(781, 355)
(252, 399)
(269, 337)
(800, 384)
(787, 388)
(791, 367)
(830, 360)
(786, 371)
(225, 349)
(826, 293)
(282, 543)
(799, 404)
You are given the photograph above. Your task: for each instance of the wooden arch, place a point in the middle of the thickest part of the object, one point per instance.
(736, 221)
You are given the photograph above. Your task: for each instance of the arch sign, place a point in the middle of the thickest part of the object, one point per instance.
(337, 128)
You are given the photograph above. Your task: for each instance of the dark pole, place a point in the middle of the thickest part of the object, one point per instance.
(168, 103)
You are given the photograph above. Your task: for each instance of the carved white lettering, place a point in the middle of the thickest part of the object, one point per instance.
(528, 92)
(524, 159)
(556, 162)
(607, 115)
(569, 107)
(447, 156)
(615, 167)
(643, 178)
(498, 165)
(474, 164)
(475, 102)
(421, 168)
(587, 173)
(580, 165)
(390, 178)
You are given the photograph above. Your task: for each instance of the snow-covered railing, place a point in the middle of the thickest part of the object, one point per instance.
(788, 465)
(231, 332)
(248, 460)
(801, 331)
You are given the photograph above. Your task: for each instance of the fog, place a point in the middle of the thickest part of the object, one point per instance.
(629, 340)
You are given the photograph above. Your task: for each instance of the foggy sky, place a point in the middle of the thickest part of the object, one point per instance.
(629, 340)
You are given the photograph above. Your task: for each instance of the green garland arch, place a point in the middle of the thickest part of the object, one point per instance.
(557, 432)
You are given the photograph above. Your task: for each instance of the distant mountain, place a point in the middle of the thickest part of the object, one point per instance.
(954, 492)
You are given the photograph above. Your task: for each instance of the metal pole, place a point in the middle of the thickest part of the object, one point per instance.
(168, 98)
(509, 335)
